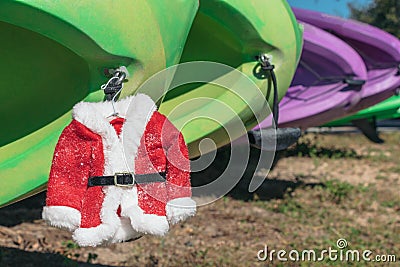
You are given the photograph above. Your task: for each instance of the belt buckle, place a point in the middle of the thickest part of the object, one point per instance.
(123, 174)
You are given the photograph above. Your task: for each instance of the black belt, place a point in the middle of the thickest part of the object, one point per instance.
(126, 179)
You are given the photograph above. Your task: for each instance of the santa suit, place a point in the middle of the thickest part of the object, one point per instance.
(145, 142)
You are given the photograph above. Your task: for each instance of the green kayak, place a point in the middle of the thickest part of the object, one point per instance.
(366, 120)
(55, 53)
(233, 32)
(386, 110)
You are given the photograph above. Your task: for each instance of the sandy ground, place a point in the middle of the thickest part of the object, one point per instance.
(325, 188)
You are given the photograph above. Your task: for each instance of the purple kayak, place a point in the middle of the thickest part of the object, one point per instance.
(379, 50)
(328, 80)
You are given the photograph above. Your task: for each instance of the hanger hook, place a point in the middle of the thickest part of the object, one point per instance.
(104, 86)
(113, 88)
(113, 101)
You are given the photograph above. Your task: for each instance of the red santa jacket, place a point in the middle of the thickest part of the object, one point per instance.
(144, 142)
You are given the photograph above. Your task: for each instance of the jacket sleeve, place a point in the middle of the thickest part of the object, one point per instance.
(180, 205)
(66, 182)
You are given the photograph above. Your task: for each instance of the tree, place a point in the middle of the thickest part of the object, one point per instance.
(384, 14)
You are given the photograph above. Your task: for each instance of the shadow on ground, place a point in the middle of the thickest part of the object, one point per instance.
(10, 257)
(30, 209)
(27, 210)
(269, 189)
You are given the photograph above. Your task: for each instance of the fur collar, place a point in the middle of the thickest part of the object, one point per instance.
(94, 115)
(137, 111)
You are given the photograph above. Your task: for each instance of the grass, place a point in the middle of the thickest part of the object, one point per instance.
(366, 215)
(391, 204)
(69, 244)
(319, 205)
(333, 211)
(338, 190)
(307, 147)
(395, 169)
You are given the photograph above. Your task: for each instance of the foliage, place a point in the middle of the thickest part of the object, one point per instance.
(338, 190)
(69, 244)
(384, 14)
(309, 148)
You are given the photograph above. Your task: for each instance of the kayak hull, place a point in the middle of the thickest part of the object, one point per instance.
(65, 62)
(379, 50)
(233, 33)
(386, 110)
(319, 92)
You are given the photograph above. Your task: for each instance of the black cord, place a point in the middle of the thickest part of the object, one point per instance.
(267, 66)
(275, 104)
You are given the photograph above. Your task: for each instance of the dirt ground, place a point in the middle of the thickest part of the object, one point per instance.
(325, 188)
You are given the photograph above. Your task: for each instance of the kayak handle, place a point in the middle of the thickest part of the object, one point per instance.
(355, 82)
(264, 61)
(278, 138)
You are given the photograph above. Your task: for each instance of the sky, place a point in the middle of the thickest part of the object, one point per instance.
(334, 7)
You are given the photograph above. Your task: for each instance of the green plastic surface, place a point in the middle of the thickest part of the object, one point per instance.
(233, 32)
(54, 53)
(387, 109)
(57, 51)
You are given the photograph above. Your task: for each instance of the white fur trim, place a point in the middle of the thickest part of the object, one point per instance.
(146, 223)
(119, 155)
(180, 209)
(137, 111)
(93, 236)
(105, 233)
(141, 222)
(62, 217)
(140, 111)
(110, 222)
(125, 232)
